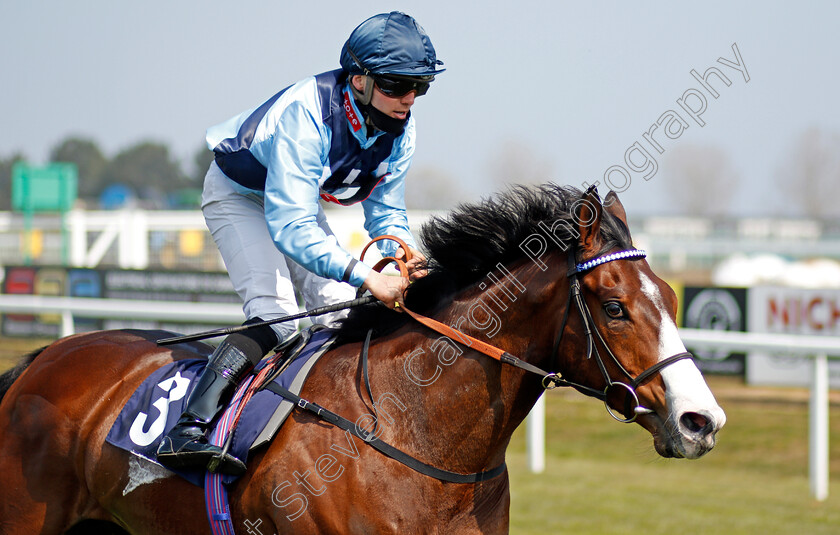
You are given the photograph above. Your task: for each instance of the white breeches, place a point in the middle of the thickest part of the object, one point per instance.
(265, 279)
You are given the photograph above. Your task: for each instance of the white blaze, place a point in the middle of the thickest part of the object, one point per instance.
(685, 388)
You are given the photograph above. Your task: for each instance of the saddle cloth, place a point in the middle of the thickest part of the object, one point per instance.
(158, 402)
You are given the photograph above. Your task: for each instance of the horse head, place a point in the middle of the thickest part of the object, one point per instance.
(634, 357)
(582, 305)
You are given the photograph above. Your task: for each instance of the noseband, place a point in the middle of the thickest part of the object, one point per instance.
(553, 380)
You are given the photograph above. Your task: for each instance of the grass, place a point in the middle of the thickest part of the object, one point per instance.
(604, 478)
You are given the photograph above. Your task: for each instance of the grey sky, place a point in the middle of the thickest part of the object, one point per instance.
(576, 82)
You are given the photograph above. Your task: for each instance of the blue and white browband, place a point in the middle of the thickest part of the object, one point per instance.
(589, 264)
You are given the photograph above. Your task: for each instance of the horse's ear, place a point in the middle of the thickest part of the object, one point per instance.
(615, 208)
(588, 216)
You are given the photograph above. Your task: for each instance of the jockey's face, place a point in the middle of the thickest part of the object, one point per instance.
(395, 107)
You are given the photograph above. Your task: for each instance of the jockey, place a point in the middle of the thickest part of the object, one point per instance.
(344, 136)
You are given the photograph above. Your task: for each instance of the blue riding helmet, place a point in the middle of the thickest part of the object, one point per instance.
(390, 43)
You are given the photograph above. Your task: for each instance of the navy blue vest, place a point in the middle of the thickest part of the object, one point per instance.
(352, 167)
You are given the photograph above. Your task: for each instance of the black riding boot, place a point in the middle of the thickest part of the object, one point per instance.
(186, 445)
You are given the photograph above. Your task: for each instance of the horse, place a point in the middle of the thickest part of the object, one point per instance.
(546, 274)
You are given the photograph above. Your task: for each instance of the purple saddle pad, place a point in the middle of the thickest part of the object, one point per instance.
(158, 402)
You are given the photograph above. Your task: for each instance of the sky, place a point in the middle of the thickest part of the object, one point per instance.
(576, 84)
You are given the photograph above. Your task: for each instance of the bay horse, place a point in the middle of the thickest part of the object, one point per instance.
(545, 273)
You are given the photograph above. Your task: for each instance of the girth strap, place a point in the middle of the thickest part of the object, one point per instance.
(384, 447)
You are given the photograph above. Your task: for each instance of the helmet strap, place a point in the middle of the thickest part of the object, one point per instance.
(373, 117)
(363, 97)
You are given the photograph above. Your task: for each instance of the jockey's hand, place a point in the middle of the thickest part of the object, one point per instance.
(416, 266)
(386, 288)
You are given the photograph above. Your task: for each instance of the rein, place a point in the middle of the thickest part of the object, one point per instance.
(370, 437)
(552, 380)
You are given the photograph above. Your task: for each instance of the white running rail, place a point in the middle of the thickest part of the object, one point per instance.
(818, 348)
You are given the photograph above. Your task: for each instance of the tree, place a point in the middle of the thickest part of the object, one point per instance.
(88, 158)
(700, 179)
(149, 169)
(6, 179)
(811, 174)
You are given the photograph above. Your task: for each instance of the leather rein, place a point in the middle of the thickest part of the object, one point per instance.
(552, 380)
(549, 379)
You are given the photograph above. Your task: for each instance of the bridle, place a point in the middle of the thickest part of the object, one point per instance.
(632, 407)
(550, 380)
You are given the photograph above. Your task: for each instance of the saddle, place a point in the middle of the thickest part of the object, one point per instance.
(157, 403)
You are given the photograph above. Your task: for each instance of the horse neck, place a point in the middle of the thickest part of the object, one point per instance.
(470, 399)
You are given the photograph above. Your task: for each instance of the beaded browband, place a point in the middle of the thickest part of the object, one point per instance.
(585, 266)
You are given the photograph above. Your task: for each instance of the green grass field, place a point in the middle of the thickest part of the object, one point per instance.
(603, 477)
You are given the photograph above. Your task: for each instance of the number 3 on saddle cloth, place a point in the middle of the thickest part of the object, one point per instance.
(158, 402)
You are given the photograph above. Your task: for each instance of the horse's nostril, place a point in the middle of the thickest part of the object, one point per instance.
(694, 422)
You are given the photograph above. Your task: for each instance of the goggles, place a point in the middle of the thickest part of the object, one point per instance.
(393, 86)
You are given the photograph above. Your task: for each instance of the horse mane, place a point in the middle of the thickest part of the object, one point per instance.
(11, 375)
(465, 245)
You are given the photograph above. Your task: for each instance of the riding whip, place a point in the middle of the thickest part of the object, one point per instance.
(315, 311)
(230, 330)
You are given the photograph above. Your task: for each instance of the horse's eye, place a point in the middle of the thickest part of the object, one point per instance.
(614, 310)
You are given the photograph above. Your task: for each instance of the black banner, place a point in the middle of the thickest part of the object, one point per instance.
(722, 309)
(187, 286)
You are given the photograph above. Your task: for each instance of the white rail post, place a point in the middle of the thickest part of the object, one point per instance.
(139, 236)
(77, 222)
(818, 429)
(68, 325)
(535, 431)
